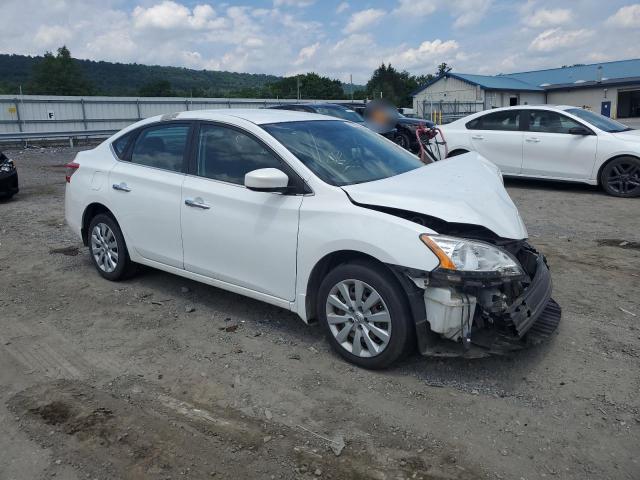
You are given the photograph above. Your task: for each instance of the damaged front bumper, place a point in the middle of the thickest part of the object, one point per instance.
(478, 316)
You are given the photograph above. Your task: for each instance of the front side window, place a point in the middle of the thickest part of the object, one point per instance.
(228, 155)
(162, 146)
(506, 120)
(599, 121)
(341, 153)
(546, 121)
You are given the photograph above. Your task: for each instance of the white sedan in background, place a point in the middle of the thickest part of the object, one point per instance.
(553, 142)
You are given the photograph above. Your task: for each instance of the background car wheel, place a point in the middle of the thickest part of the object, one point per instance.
(365, 314)
(108, 250)
(403, 140)
(621, 177)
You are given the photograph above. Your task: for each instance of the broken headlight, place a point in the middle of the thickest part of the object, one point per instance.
(466, 255)
(7, 166)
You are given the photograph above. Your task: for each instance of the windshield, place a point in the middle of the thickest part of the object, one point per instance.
(339, 112)
(599, 121)
(342, 153)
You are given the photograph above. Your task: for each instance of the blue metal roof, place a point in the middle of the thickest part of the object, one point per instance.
(554, 76)
(540, 80)
(497, 82)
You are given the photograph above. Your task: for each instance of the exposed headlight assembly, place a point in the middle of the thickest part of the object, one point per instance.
(471, 256)
(7, 166)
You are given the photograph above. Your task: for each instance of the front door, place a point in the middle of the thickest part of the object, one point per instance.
(550, 150)
(498, 138)
(233, 234)
(605, 109)
(145, 192)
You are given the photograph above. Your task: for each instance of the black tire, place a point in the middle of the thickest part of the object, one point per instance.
(402, 327)
(404, 140)
(455, 153)
(124, 267)
(621, 177)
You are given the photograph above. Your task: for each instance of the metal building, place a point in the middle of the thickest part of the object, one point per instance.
(610, 88)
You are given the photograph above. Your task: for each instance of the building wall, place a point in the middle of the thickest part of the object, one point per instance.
(497, 99)
(447, 89)
(590, 98)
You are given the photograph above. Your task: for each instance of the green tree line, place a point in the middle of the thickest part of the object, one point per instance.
(61, 74)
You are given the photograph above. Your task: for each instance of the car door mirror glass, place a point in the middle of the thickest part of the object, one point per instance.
(266, 180)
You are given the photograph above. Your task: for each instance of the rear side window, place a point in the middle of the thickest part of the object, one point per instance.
(506, 120)
(227, 154)
(546, 121)
(162, 146)
(120, 145)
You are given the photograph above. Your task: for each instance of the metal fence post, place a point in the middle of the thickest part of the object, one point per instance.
(15, 101)
(138, 108)
(84, 115)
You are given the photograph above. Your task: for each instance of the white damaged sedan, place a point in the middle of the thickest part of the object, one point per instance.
(322, 217)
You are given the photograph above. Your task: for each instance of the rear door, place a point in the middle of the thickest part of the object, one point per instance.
(498, 137)
(145, 191)
(233, 234)
(550, 150)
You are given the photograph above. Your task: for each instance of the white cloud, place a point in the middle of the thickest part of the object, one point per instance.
(170, 15)
(363, 19)
(469, 12)
(557, 38)
(342, 7)
(626, 17)
(293, 3)
(307, 53)
(52, 36)
(548, 18)
(415, 8)
(425, 54)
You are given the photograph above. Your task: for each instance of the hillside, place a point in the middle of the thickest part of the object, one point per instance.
(118, 79)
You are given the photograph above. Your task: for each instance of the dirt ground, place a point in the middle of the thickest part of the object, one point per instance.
(160, 377)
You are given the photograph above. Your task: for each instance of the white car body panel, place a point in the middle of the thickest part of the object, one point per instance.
(554, 156)
(266, 245)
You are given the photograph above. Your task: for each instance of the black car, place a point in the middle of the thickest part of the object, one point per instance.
(8, 177)
(405, 127)
(338, 111)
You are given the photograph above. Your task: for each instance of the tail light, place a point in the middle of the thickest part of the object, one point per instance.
(71, 169)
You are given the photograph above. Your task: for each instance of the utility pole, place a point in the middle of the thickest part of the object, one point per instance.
(351, 82)
(298, 84)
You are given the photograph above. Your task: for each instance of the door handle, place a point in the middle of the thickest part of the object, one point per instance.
(533, 140)
(197, 203)
(122, 187)
(477, 137)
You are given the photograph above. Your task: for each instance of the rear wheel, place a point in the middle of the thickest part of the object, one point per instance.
(403, 140)
(365, 314)
(108, 249)
(621, 177)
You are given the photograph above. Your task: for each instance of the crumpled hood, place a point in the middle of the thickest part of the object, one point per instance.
(463, 189)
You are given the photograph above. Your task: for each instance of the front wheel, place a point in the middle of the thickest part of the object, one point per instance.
(621, 177)
(365, 314)
(108, 250)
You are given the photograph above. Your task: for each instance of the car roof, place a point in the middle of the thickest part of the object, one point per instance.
(543, 106)
(259, 116)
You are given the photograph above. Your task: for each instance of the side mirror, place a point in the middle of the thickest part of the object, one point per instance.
(579, 131)
(266, 180)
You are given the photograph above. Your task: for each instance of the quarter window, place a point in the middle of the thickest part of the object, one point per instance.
(162, 146)
(227, 154)
(120, 145)
(546, 121)
(507, 120)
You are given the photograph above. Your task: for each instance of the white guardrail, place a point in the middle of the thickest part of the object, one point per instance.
(28, 117)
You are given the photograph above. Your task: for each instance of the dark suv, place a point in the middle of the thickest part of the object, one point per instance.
(8, 177)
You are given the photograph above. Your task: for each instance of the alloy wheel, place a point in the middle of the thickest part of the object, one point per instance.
(624, 178)
(104, 247)
(358, 318)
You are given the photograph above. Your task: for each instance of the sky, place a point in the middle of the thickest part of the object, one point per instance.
(335, 38)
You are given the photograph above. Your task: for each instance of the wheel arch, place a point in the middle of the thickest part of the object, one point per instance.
(91, 211)
(608, 161)
(457, 151)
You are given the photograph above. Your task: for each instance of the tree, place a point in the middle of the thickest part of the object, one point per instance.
(157, 88)
(393, 85)
(311, 85)
(442, 69)
(59, 75)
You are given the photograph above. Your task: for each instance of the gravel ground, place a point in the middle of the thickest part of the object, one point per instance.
(159, 377)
